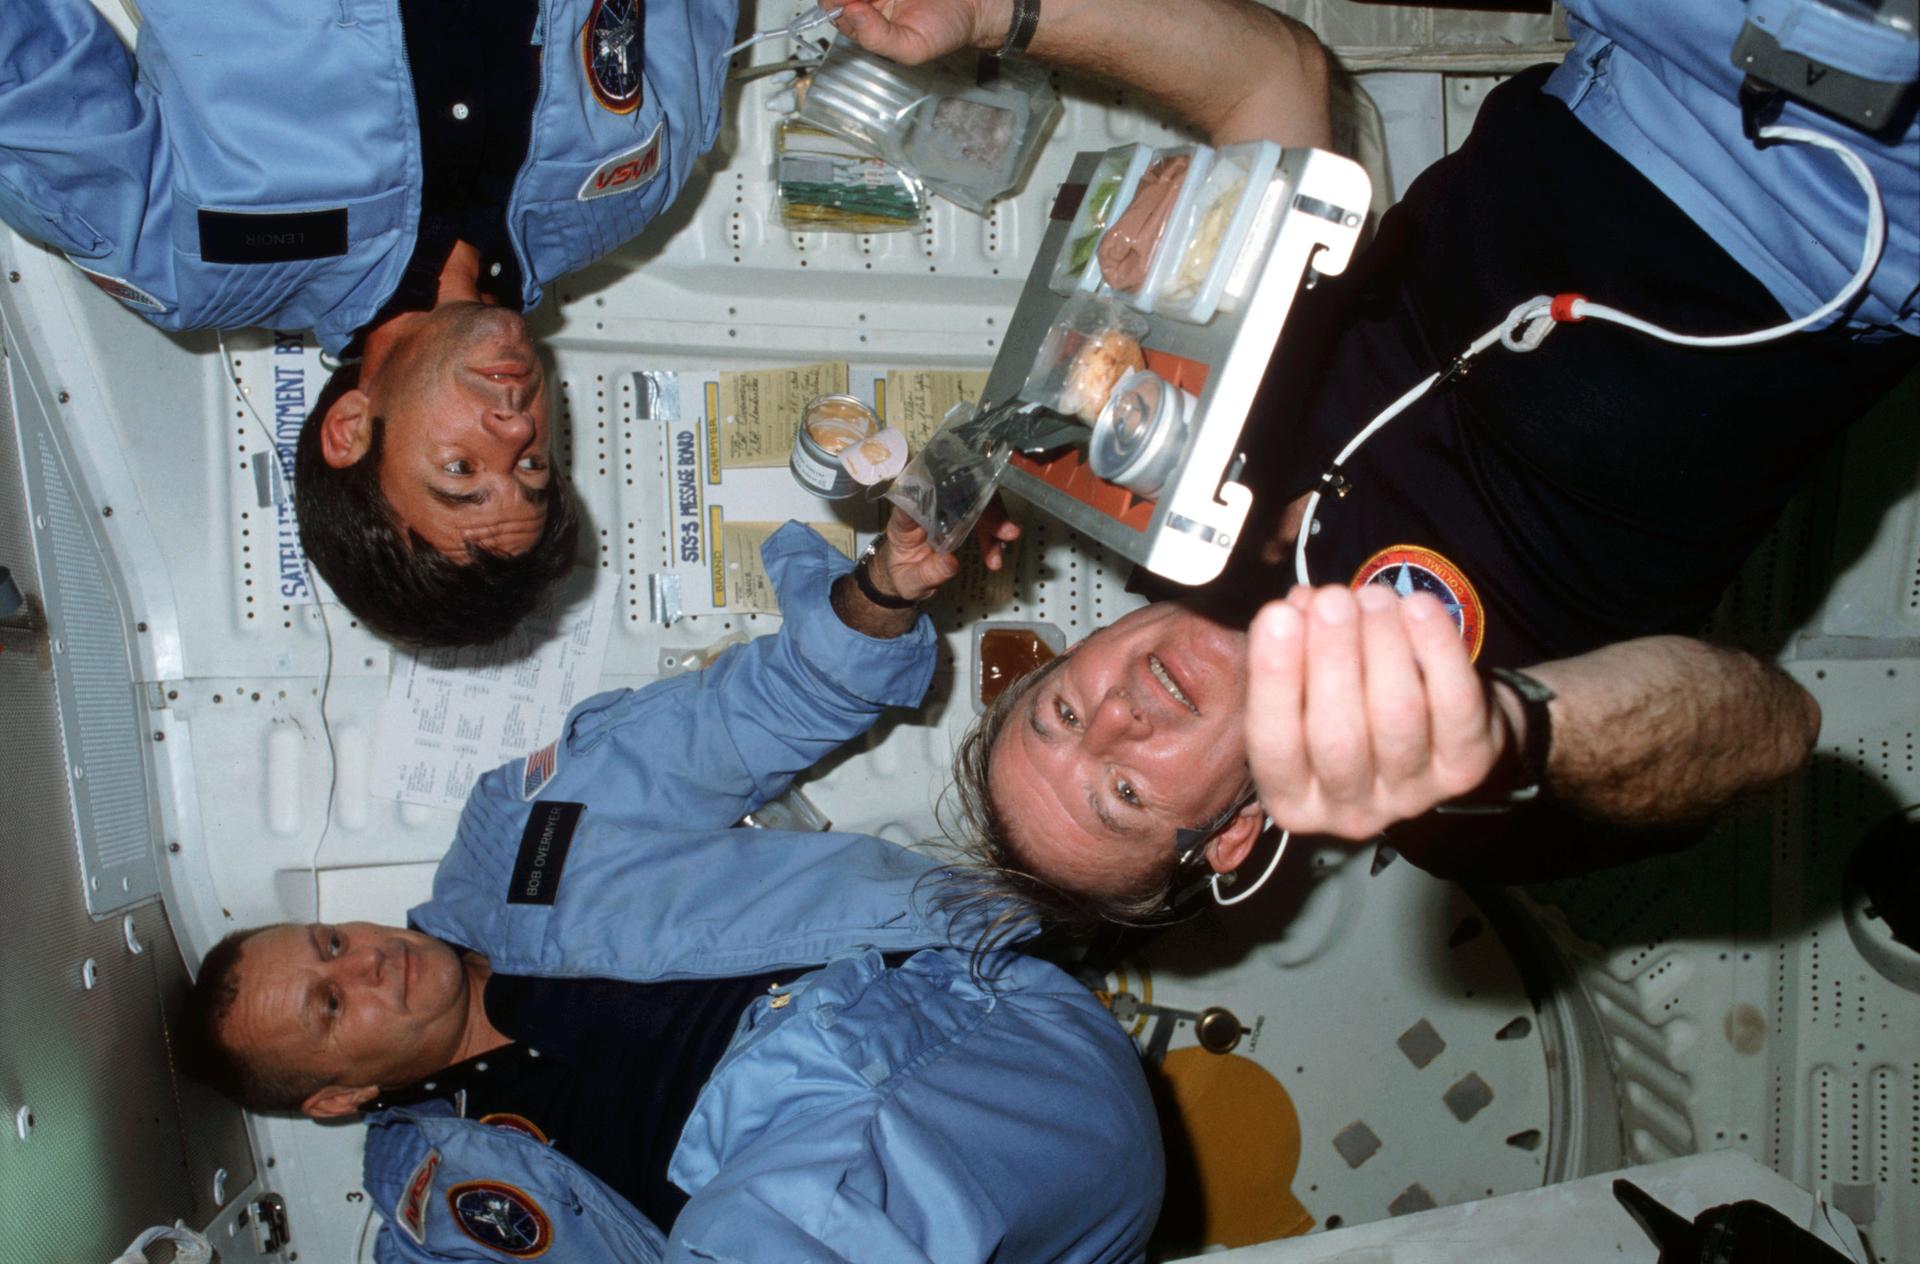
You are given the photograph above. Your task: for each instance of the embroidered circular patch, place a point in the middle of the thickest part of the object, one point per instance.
(501, 1218)
(515, 1123)
(611, 46)
(1408, 569)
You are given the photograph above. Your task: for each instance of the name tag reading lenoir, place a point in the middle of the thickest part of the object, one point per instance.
(543, 851)
(272, 237)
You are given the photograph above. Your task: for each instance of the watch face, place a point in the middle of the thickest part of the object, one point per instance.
(1407, 569)
(611, 47)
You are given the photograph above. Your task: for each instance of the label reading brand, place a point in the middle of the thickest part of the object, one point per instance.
(543, 852)
(624, 172)
(243, 237)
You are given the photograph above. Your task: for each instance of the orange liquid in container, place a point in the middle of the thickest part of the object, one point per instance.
(1007, 654)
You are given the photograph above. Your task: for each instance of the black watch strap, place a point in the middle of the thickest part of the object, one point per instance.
(1020, 28)
(1534, 697)
(870, 590)
(1519, 775)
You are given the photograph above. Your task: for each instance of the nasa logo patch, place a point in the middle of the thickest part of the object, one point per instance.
(501, 1218)
(515, 1123)
(611, 47)
(128, 293)
(411, 1212)
(624, 172)
(1408, 569)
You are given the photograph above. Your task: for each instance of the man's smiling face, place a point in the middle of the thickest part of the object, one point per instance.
(1135, 735)
(353, 1003)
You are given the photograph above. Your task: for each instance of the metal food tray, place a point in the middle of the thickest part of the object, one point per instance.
(1187, 532)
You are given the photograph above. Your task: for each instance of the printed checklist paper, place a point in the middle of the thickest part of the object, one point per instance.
(452, 715)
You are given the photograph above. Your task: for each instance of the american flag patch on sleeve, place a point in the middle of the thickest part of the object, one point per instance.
(539, 769)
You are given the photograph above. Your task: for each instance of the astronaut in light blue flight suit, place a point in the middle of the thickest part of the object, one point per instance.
(872, 1098)
(402, 177)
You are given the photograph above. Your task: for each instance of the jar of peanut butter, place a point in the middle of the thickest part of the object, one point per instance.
(829, 425)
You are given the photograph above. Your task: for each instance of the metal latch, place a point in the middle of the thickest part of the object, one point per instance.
(268, 1216)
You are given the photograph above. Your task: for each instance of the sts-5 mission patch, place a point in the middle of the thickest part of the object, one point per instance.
(611, 47)
(1408, 569)
(501, 1217)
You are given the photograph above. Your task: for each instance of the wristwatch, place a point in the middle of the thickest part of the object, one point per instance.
(870, 590)
(1020, 28)
(1518, 775)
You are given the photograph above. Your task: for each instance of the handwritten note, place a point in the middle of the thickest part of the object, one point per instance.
(749, 587)
(918, 399)
(760, 410)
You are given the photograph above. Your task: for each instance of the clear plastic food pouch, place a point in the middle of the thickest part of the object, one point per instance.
(969, 142)
(1094, 342)
(947, 485)
(1132, 248)
(823, 181)
(1110, 189)
(1203, 247)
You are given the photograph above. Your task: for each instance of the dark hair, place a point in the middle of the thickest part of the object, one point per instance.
(989, 881)
(208, 1057)
(391, 578)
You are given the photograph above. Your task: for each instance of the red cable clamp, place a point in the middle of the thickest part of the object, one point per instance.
(1562, 309)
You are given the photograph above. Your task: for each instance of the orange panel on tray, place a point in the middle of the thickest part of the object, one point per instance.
(1070, 474)
(1189, 375)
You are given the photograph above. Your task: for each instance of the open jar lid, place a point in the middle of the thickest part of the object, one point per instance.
(1140, 434)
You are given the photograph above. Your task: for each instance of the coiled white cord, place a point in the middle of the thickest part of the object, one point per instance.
(1528, 325)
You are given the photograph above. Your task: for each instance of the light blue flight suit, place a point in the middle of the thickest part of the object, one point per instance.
(861, 1113)
(274, 106)
(1656, 82)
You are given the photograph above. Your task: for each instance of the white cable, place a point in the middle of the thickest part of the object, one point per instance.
(802, 22)
(1286, 836)
(1528, 325)
(326, 629)
(1874, 245)
(360, 1243)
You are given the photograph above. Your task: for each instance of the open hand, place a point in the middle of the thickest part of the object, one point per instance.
(1363, 709)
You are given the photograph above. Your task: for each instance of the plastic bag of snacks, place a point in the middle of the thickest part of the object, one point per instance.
(823, 181)
(1094, 342)
(969, 142)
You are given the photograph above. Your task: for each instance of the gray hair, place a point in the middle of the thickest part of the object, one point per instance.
(988, 880)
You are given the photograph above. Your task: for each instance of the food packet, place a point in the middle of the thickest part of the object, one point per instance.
(1133, 245)
(1203, 249)
(947, 485)
(1093, 343)
(969, 142)
(825, 182)
(1110, 189)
